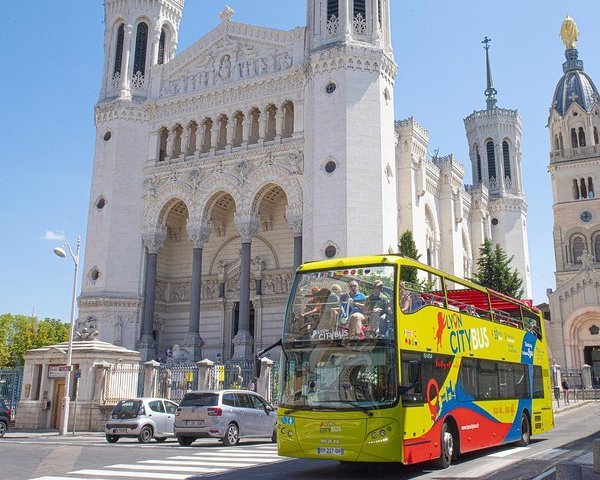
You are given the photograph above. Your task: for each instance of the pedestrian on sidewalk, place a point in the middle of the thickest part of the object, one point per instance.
(566, 387)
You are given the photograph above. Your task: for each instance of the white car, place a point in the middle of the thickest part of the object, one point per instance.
(144, 418)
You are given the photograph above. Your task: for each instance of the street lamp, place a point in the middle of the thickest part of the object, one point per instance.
(61, 252)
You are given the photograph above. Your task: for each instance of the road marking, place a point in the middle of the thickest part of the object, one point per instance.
(545, 474)
(118, 473)
(209, 462)
(550, 453)
(506, 453)
(163, 468)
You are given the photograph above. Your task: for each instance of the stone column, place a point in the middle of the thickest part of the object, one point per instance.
(247, 226)
(259, 123)
(214, 135)
(231, 127)
(185, 141)
(246, 123)
(295, 223)
(199, 235)
(125, 81)
(99, 395)
(199, 139)
(205, 368)
(586, 376)
(156, 31)
(153, 242)
(170, 143)
(279, 124)
(151, 378)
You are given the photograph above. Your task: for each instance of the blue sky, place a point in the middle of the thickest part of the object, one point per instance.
(53, 56)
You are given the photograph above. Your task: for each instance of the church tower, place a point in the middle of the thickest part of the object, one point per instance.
(574, 127)
(138, 36)
(349, 177)
(494, 137)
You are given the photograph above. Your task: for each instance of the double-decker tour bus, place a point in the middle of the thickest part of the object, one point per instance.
(385, 359)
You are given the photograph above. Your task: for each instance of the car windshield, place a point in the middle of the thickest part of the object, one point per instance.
(127, 409)
(200, 400)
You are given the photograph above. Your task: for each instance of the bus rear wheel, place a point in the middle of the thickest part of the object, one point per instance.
(448, 447)
(525, 431)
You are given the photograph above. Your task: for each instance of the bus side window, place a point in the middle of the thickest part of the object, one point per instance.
(411, 388)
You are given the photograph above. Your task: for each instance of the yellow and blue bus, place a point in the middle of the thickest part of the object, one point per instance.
(385, 359)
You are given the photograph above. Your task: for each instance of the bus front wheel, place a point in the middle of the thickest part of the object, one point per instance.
(525, 431)
(448, 446)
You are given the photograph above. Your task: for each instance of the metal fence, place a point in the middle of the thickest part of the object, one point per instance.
(10, 387)
(124, 381)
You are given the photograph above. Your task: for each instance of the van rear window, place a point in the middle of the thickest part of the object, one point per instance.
(200, 400)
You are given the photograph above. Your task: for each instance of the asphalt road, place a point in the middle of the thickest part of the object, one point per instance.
(89, 457)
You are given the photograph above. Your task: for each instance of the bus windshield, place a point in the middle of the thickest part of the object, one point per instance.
(339, 343)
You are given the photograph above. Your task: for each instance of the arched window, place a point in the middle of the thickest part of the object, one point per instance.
(597, 247)
(506, 156)
(288, 120)
(556, 144)
(596, 138)
(360, 8)
(582, 188)
(270, 130)
(238, 125)
(560, 140)
(573, 138)
(478, 166)
(177, 146)
(254, 133)
(207, 126)
(491, 158)
(379, 11)
(141, 43)
(222, 136)
(333, 9)
(581, 137)
(193, 127)
(161, 46)
(162, 149)
(578, 248)
(591, 193)
(119, 50)
(575, 189)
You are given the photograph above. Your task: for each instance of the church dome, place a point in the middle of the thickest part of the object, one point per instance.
(574, 86)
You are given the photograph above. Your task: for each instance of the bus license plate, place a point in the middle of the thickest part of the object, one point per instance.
(330, 451)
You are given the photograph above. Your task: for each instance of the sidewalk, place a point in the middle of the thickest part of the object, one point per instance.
(19, 434)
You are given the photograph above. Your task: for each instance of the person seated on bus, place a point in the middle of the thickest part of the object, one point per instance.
(332, 308)
(375, 306)
(311, 313)
(356, 319)
(410, 301)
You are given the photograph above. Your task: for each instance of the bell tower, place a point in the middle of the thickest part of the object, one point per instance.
(350, 189)
(494, 137)
(139, 36)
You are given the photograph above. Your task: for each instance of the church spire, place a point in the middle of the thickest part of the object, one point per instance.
(490, 91)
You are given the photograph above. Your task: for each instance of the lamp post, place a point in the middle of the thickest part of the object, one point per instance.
(61, 252)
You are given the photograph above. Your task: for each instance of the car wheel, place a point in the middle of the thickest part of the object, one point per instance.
(185, 441)
(3, 427)
(232, 435)
(161, 439)
(112, 438)
(447, 447)
(145, 434)
(525, 431)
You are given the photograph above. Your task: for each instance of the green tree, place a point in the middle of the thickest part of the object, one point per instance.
(19, 333)
(408, 248)
(494, 271)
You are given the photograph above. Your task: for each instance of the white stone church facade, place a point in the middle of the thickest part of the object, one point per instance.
(574, 125)
(218, 170)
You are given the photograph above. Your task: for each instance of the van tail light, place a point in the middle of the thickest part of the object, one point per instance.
(178, 412)
(215, 411)
(9, 412)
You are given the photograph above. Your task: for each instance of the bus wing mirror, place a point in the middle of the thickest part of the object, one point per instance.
(414, 372)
